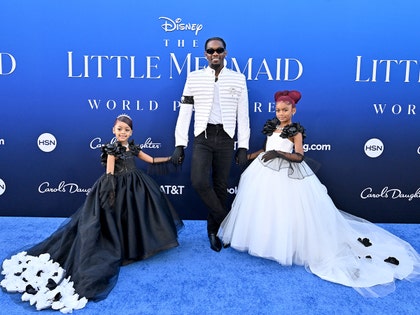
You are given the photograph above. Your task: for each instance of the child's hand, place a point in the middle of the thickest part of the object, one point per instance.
(269, 155)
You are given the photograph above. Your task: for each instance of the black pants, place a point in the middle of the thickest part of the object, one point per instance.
(211, 163)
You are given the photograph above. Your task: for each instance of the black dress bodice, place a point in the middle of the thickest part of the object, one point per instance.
(125, 156)
(125, 163)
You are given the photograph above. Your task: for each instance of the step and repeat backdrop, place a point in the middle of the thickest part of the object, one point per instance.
(68, 68)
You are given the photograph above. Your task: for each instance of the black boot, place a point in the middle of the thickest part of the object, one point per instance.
(215, 243)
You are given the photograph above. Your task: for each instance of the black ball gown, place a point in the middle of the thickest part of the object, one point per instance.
(124, 218)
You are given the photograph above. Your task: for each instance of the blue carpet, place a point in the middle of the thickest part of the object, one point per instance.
(192, 279)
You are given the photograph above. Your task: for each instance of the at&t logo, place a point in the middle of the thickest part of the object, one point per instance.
(172, 189)
(46, 142)
(374, 148)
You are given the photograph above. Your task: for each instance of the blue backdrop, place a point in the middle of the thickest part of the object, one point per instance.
(68, 68)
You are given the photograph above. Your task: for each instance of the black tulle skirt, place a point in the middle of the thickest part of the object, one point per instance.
(94, 242)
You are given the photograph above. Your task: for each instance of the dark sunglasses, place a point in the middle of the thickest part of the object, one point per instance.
(211, 51)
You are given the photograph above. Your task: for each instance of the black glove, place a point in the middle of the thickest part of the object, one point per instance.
(269, 155)
(291, 157)
(240, 156)
(178, 155)
(107, 192)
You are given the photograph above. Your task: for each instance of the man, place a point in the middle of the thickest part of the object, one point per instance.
(219, 98)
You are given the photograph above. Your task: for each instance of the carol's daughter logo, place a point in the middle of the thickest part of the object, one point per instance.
(387, 192)
(96, 143)
(62, 187)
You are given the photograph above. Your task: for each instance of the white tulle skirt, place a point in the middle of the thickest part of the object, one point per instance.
(294, 221)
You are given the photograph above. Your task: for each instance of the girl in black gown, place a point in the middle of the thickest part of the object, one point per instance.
(125, 218)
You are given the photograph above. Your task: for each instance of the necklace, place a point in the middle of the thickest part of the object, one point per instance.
(279, 128)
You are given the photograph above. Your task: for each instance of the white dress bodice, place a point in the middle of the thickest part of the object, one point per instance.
(275, 142)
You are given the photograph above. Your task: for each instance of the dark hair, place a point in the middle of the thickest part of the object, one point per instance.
(125, 119)
(215, 38)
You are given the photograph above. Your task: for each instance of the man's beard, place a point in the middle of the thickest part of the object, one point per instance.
(215, 66)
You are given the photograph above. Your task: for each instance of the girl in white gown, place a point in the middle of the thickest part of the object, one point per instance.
(284, 213)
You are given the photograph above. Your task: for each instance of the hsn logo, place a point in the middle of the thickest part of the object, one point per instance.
(2, 187)
(46, 142)
(374, 148)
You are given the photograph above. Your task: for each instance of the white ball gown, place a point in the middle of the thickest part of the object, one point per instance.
(284, 213)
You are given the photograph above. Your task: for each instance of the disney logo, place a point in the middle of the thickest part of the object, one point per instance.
(386, 192)
(63, 187)
(170, 25)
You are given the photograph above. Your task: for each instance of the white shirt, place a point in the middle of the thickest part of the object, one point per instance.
(233, 101)
(216, 113)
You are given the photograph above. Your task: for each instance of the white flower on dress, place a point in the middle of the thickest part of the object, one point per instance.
(41, 282)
